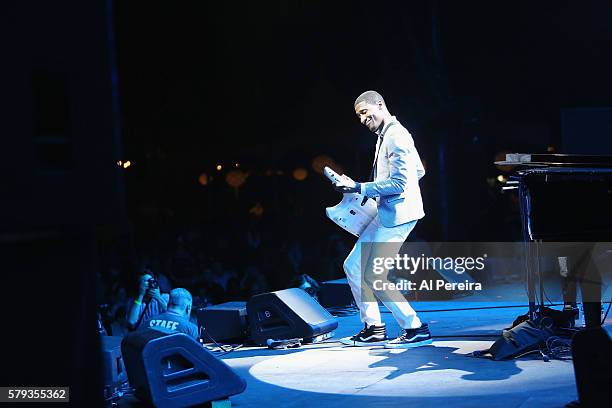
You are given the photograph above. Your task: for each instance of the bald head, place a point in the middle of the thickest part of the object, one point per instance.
(180, 301)
(370, 97)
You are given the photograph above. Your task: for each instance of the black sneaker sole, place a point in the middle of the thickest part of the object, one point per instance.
(349, 342)
(408, 345)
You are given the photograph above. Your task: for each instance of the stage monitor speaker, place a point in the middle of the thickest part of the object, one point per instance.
(170, 369)
(223, 322)
(112, 361)
(592, 356)
(288, 314)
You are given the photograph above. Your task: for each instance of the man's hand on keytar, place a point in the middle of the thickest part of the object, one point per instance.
(347, 186)
(346, 189)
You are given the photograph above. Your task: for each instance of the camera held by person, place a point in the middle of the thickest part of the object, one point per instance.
(149, 302)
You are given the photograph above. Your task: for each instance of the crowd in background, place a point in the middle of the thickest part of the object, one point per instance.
(229, 258)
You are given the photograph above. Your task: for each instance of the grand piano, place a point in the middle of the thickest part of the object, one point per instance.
(563, 198)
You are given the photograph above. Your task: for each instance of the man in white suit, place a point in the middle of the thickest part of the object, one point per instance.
(395, 187)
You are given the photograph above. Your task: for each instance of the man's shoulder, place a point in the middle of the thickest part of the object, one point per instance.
(188, 323)
(396, 129)
(191, 329)
(183, 320)
(398, 135)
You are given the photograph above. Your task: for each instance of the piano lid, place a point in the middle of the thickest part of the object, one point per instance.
(555, 160)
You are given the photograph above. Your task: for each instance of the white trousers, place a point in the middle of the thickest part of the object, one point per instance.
(394, 237)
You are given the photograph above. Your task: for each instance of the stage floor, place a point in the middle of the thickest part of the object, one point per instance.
(441, 375)
(330, 374)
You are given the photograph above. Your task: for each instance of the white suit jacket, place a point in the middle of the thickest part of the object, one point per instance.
(398, 171)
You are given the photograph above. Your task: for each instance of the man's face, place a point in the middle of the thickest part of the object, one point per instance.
(370, 115)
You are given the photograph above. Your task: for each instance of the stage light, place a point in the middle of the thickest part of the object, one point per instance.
(127, 164)
(257, 209)
(236, 178)
(219, 167)
(237, 165)
(203, 179)
(501, 178)
(300, 174)
(119, 163)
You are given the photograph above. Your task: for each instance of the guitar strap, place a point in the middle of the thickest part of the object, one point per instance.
(380, 141)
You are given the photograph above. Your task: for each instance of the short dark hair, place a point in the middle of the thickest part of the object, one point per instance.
(371, 97)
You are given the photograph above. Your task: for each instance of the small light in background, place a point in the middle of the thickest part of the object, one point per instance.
(236, 178)
(127, 164)
(219, 167)
(300, 174)
(119, 163)
(501, 178)
(237, 165)
(203, 179)
(257, 209)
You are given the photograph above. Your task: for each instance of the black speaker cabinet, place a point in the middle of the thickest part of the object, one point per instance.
(223, 322)
(335, 293)
(592, 356)
(287, 314)
(170, 369)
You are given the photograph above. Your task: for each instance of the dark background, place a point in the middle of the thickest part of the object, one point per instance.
(271, 85)
(177, 88)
